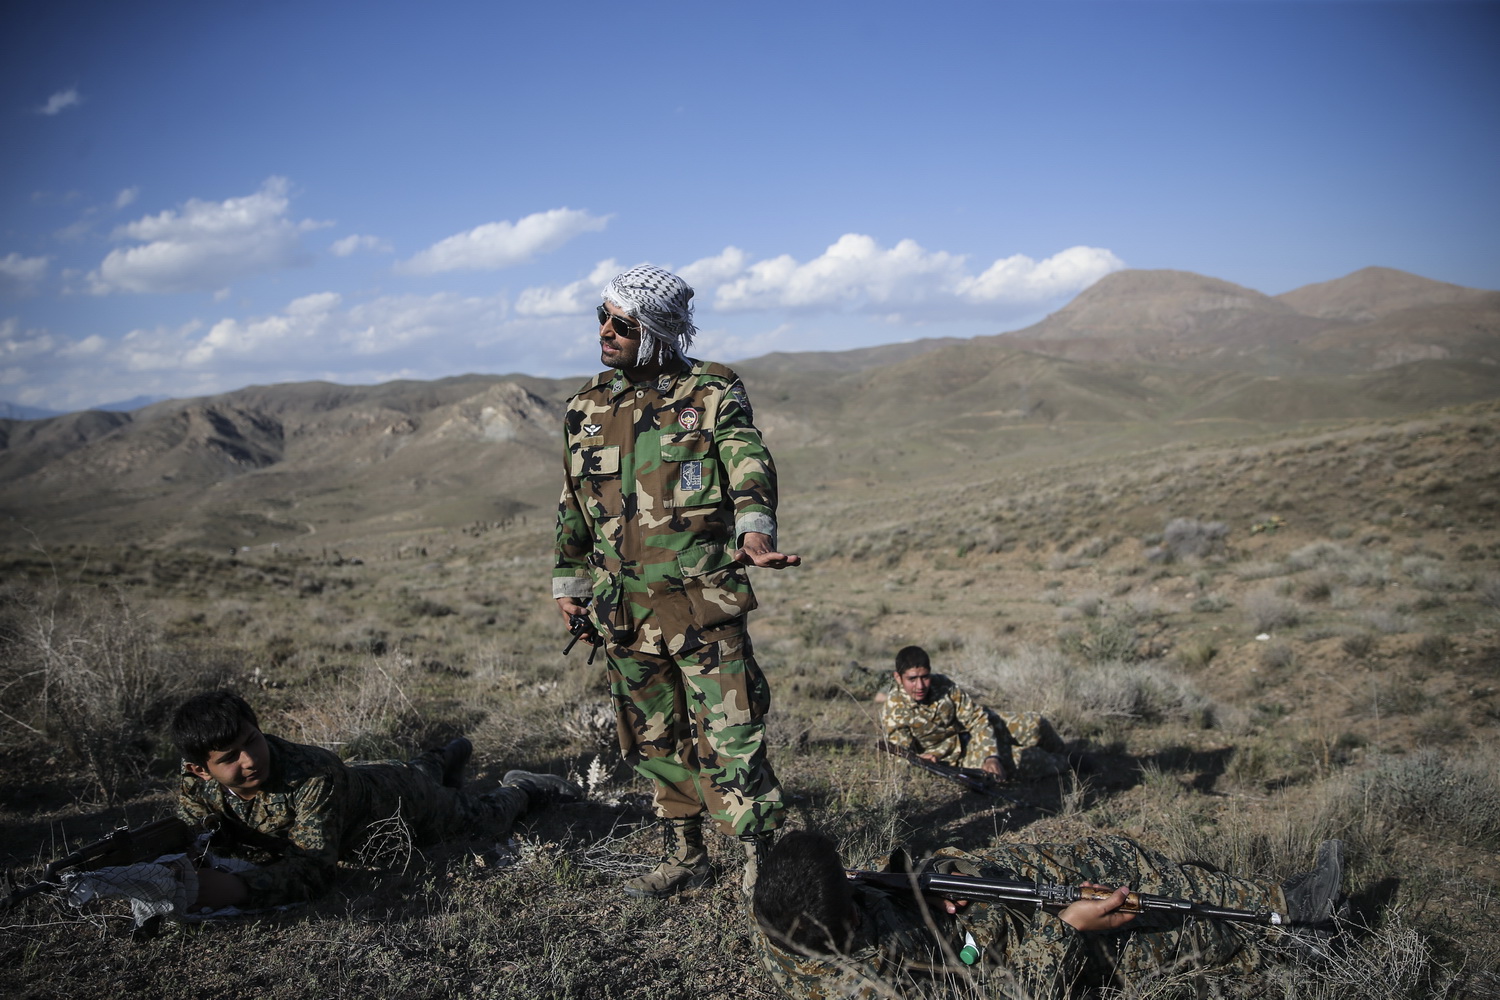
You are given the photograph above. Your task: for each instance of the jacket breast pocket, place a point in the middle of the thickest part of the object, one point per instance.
(715, 584)
(691, 471)
(597, 470)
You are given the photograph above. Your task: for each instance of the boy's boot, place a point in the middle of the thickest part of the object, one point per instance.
(543, 789)
(1312, 896)
(685, 866)
(757, 847)
(454, 756)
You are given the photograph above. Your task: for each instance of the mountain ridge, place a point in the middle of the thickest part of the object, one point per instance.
(1140, 349)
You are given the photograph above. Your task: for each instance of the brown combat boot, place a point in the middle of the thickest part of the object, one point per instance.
(686, 865)
(757, 846)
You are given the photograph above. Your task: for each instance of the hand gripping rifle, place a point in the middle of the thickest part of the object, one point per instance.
(122, 847)
(974, 781)
(1054, 897)
(581, 627)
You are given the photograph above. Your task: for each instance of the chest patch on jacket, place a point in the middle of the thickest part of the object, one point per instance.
(692, 476)
(688, 418)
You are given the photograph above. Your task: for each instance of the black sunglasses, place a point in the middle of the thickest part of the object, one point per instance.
(623, 327)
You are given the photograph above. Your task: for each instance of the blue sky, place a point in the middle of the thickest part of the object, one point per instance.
(203, 195)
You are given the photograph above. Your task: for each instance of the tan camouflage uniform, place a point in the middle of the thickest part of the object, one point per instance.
(314, 809)
(662, 479)
(957, 730)
(1028, 952)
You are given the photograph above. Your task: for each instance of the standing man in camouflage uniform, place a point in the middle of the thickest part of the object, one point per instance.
(668, 495)
(822, 936)
(296, 811)
(934, 718)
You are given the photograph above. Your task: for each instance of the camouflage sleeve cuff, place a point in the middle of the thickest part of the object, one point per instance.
(752, 521)
(580, 588)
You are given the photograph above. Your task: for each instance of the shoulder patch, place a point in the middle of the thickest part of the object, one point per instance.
(738, 392)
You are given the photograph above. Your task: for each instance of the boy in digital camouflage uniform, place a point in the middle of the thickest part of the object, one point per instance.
(934, 718)
(668, 494)
(296, 810)
(822, 936)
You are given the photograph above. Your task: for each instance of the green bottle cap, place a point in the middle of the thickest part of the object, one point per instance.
(969, 953)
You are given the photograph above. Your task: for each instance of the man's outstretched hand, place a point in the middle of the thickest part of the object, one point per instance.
(757, 551)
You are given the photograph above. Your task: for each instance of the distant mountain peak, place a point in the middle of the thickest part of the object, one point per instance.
(1374, 292)
(1139, 305)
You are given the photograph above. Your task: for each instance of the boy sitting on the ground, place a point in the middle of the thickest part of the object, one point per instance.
(931, 716)
(296, 810)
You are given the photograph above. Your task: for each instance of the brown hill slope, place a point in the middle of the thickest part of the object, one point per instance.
(1142, 305)
(286, 460)
(1373, 292)
(1368, 320)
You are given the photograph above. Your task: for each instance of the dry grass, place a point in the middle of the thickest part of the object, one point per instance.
(1372, 715)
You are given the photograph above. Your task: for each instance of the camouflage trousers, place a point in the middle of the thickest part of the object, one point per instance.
(430, 811)
(1028, 743)
(387, 808)
(694, 723)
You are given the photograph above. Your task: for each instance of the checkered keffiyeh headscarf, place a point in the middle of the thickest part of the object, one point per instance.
(663, 304)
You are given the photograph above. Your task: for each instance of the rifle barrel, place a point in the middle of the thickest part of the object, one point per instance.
(1042, 894)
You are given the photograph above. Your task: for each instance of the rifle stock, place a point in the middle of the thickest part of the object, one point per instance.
(993, 890)
(121, 847)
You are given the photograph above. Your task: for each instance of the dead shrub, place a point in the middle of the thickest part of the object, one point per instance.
(88, 672)
(1268, 611)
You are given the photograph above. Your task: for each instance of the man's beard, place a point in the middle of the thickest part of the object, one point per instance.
(622, 359)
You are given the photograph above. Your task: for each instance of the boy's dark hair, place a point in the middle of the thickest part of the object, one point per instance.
(802, 896)
(208, 722)
(912, 656)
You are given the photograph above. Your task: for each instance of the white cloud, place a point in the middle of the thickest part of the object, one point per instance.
(319, 336)
(311, 305)
(20, 275)
(570, 299)
(88, 347)
(317, 332)
(353, 244)
(60, 101)
(206, 244)
(497, 245)
(709, 272)
(855, 272)
(16, 347)
(127, 197)
(855, 294)
(1023, 280)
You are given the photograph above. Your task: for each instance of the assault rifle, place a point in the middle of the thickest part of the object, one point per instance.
(122, 847)
(994, 890)
(581, 627)
(974, 781)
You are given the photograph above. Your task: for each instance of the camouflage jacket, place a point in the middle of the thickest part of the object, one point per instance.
(661, 480)
(905, 948)
(937, 725)
(310, 812)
